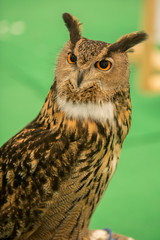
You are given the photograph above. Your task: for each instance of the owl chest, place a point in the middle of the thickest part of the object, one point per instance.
(102, 168)
(95, 167)
(82, 191)
(93, 158)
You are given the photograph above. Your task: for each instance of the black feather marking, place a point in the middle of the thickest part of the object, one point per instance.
(93, 138)
(86, 168)
(76, 224)
(89, 182)
(86, 195)
(73, 27)
(101, 129)
(96, 170)
(97, 188)
(86, 177)
(55, 183)
(80, 188)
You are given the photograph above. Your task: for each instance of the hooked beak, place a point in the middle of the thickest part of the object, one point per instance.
(80, 78)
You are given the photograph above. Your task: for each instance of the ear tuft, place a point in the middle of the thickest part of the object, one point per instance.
(128, 41)
(73, 27)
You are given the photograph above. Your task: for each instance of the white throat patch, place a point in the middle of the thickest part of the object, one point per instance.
(93, 111)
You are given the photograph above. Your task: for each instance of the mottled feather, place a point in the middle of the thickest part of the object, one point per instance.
(54, 172)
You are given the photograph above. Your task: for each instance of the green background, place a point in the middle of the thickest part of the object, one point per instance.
(131, 204)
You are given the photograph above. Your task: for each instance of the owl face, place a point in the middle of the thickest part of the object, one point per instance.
(89, 63)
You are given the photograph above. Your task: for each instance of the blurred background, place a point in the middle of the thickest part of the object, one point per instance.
(31, 35)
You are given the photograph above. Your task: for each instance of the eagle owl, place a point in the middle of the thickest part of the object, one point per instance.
(54, 172)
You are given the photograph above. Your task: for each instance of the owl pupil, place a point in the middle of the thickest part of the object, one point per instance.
(73, 58)
(103, 64)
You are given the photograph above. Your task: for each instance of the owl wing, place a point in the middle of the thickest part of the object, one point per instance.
(32, 165)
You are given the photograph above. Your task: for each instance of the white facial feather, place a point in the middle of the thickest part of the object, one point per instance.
(94, 111)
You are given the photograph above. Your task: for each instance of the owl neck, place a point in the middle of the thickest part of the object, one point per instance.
(57, 108)
(46, 117)
(92, 111)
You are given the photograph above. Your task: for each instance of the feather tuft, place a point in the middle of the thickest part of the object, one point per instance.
(128, 41)
(73, 27)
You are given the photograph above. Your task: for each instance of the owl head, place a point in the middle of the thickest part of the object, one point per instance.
(91, 71)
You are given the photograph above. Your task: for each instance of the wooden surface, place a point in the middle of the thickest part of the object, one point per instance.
(146, 55)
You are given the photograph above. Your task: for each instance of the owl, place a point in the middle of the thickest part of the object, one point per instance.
(54, 172)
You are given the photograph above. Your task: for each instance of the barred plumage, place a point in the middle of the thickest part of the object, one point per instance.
(55, 171)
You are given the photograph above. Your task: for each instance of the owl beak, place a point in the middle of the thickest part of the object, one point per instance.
(80, 78)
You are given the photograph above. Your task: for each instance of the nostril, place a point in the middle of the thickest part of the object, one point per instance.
(80, 78)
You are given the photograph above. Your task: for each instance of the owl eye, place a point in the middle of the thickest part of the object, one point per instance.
(104, 65)
(71, 58)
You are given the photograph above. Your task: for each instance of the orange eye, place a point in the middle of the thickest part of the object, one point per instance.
(71, 58)
(104, 65)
